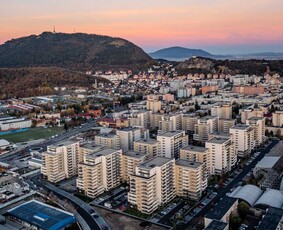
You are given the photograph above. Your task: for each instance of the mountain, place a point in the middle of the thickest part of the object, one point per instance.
(180, 53)
(73, 51)
(251, 66)
(25, 82)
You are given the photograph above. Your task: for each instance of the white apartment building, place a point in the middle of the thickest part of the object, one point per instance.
(224, 125)
(60, 161)
(99, 172)
(139, 118)
(258, 125)
(277, 119)
(108, 140)
(130, 160)
(205, 126)
(127, 137)
(189, 121)
(243, 138)
(248, 113)
(222, 111)
(191, 179)
(171, 143)
(153, 104)
(153, 184)
(170, 122)
(150, 147)
(222, 155)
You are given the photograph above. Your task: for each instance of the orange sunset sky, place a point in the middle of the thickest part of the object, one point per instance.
(219, 26)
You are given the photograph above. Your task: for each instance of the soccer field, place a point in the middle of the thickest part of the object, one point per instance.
(32, 134)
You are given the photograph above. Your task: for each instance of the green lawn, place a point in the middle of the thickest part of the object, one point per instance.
(32, 134)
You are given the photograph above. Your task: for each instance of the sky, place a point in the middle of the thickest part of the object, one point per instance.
(218, 26)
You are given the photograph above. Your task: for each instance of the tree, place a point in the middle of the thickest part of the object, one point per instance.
(266, 133)
(234, 222)
(278, 133)
(271, 133)
(66, 127)
(243, 209)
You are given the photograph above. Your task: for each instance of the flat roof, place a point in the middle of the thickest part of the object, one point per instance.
(216, 225)
(189, 164)
(106, 135)
(218, 140)
(240, 126)
(255, 118)
(147, 141)
(63, 143)
(267, 162)
(42, 215)
(103, 152)
(134, 154)
(221, 208)
(157, 161)
(271, 219)
(4, 142)
(171, 133)
(195, 148)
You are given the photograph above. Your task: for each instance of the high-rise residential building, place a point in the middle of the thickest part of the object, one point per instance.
(243, 138)
(60, 161)
(189, 121)
(171, 143)
(154, 105)
(205, 126)
(140, 118)
(170, 122)
(108, 140)
(153, 184)
(100, 171)
(248, 113)
(196, 154)
(127, 137)
(191, 179)
(155, 118)
(222, 155)
(130, 160)
(222, 111)
(258, 125)
(224, 125)
(150, 147)
(277, 118)
(88, 148)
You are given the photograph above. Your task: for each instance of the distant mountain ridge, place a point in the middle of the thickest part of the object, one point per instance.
(72, 51)
(177, 53)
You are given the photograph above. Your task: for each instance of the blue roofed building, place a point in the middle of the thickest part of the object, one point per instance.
(42, 216)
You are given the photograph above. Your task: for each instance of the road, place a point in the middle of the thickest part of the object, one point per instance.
(84, 209)
(61, 137)
(191, 224)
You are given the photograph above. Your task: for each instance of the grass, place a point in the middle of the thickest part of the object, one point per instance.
(32, 134)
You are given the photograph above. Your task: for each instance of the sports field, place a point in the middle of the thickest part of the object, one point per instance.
(32, 134)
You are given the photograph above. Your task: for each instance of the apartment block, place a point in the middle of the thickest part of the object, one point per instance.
(88, 148)
(222, 111)
(243, 138)
(172, 142)
(204, 126)
(189, 121)
(155, 118)
(154, 105)
(196, 154)
(130, 160)
(222, 155)
(153, 184)
(140, 118)
(224, 125)
(277, 119)
(60, 161)
(127, 137)
(108, 140)
(191, 179)
(150, 147)
(248, 113)
(170, 122)
(258, 125)
(99, 172)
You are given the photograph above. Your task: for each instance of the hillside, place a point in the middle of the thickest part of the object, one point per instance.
(72, 51)
(179, 53)
(207, 65)
(25, 82)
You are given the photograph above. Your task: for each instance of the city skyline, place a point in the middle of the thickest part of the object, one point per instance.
(219, 27)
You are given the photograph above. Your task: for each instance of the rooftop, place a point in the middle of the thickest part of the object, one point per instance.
(103, 152)
(194, 148)
(267, 162)
(134, 154)
(42, 215)
(147, 141)
(271, 219)
(171, 133)
(64, 143)
(155, 162)
(218, 140)
(221, 208)
(240, 126)
(189, 164)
